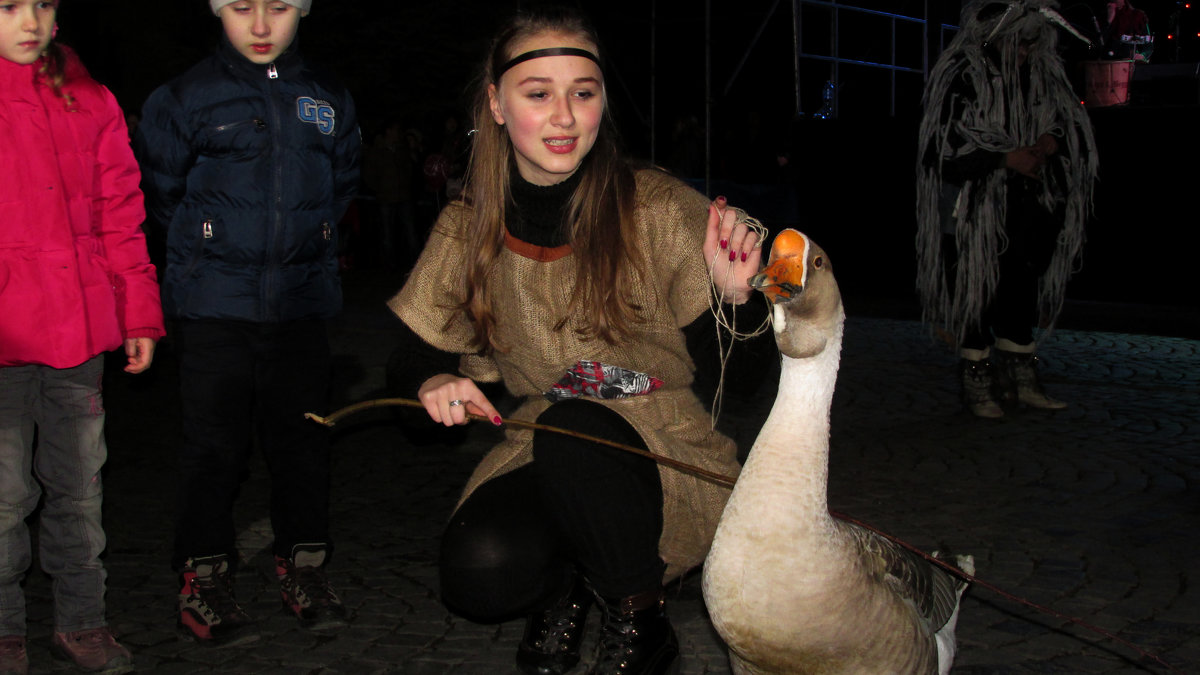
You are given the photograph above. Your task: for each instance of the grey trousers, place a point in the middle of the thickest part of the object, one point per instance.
(66, 408)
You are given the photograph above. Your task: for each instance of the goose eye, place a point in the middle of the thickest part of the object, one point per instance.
(818, 262)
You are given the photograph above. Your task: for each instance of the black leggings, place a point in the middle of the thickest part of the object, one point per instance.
(516, 544)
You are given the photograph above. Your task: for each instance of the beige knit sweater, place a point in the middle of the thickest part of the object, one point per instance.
(532, 296)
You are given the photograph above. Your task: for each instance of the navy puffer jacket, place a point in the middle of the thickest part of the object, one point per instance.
(250, 167)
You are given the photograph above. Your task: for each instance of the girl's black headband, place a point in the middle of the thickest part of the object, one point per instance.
(549, 51)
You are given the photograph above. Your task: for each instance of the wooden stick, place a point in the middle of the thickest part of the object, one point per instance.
(717, 478)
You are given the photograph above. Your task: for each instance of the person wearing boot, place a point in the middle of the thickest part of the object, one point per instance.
(249, 160)
(1007, 167)
(584, 285)
(76, 281)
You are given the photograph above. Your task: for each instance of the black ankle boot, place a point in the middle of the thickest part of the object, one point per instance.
(637, 638)
(552, 637)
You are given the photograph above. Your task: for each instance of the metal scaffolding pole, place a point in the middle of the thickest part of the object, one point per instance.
(797, 49)
(653, 80)
(708, 95)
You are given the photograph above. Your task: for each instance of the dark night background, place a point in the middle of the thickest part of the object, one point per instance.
(848, 181)
(416, 58)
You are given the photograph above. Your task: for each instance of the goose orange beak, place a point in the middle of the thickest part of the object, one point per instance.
(784, 274)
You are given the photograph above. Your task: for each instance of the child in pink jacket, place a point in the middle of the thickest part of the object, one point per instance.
(75, 282)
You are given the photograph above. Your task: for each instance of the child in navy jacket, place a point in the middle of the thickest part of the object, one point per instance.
(249, 160)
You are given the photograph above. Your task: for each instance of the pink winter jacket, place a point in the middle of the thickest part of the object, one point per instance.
(75, 278)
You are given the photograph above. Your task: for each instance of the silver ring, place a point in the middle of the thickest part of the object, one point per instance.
(457, 401)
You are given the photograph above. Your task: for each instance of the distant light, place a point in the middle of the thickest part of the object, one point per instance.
(1170, 37)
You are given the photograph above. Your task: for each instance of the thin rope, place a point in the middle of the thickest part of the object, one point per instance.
(332, 419)
(716, 299)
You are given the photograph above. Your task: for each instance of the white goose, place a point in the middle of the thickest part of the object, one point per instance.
(790, 588)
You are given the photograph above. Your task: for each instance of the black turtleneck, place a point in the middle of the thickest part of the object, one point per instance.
(536, 214)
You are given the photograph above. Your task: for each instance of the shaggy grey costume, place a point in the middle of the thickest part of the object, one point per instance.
(978, 98)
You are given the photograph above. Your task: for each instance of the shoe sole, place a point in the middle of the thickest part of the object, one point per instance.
(230, 641)
(1039, 405)
(554, 668)
(319, 625)
(675, 667)
(322, 625)
(60, 654)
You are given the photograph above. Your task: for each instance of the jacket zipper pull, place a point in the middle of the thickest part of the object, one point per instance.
(272, 74)
(208, 229)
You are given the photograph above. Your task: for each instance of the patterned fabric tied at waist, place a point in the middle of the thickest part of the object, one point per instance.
(600, 380)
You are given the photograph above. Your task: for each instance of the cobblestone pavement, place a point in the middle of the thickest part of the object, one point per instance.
(1092, 511)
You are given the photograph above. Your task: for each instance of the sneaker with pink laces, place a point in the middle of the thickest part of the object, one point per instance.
(94, 650)
(13, 660)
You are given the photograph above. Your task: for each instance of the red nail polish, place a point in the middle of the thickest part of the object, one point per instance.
(732, 256)
(496, 420)
(724, 244)
(721, 200)
(743, 257)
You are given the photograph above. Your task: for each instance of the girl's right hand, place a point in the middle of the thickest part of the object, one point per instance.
(440, 391)
(732, 274)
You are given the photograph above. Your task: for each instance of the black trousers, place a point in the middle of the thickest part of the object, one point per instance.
(580, 507)
(1032, 232)
(241, 381)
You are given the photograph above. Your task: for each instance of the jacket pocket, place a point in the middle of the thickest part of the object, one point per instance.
(186, 285)
(244, 136)
(315, 242)
(327, 245)
(207, 232)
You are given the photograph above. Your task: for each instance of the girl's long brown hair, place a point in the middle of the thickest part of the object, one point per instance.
(54, 70)
(600, 213)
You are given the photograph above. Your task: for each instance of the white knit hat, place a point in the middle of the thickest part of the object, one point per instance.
(302, 5)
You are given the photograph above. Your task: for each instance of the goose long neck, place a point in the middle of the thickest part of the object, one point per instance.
(805, 397)
(790, 459)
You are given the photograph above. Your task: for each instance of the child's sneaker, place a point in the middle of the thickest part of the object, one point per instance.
(94, 650)
(208, 610)
(305, 591)
(13, 659)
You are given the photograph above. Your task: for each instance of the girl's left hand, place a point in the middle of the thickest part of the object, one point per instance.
(140, 352)
(731, 249)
